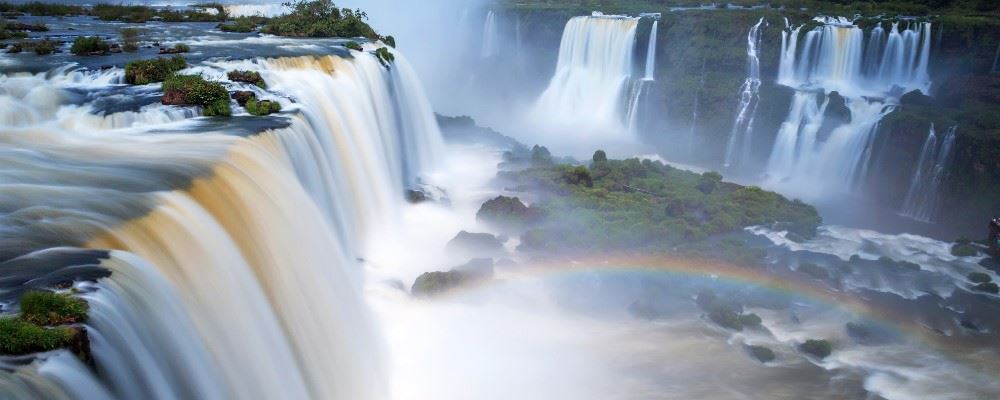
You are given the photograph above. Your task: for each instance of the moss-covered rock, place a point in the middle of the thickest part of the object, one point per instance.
(507, 213)
(262, 107)
(193, 90)
(438, 282)
(816, 347)
(251, 77)
(979, 277)
(474, 244)
(987, 287)
(964, 250)
(353, 45)
(42, 325)
(47, 308)
(761, 353)
(143, 72)
(89, 46)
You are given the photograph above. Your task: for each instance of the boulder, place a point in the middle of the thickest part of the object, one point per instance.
(507, 213)
(474, 244)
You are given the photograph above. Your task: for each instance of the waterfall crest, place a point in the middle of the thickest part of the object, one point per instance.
(592, 75)
(738, 147)
(921, 201)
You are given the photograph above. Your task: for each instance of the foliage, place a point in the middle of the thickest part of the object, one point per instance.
(240, 24)
(385, 57)
(262, 107)
(87, 45)
(142, 72)
(389, 41)
(47, 308)
(130, 39)
(251, 77)
(182, 48)
(988, 287)
(353, 45)
(320, 18)
(195, 90)
(761, 353)
(38, 8)
(132, 13)
(964, 250)
(819, 348)
(644, 204)
(507, 213)
(18, 337)
(437, 282)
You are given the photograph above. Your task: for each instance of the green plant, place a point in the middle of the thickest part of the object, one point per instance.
(761, 353)
(130, 39)
(979, 277)
(143, 72)
(353, 45)
(389, 41)
(252, 77)
(385, 57)
(240, 24)
(320, 18)
(182, 48)
(262, 107)
(195, 90)
(89, 45)
(22, 337)
(48, 308)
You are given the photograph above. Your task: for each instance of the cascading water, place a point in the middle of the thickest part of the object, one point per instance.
(834, 58)
(592, 76)
(651, 53)
(921, 201)
(491, 36)
(234, 272)
(738, 147)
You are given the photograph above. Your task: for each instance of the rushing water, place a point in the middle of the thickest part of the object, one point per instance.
(738, 147)
(651, 52)
(921, 201)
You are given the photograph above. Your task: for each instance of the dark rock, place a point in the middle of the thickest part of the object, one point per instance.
(818, 348)
(507, 213)
(243, 96)
(761, 353)
(474, 244)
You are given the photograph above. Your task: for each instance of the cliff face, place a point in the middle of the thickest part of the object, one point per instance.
(701, 63)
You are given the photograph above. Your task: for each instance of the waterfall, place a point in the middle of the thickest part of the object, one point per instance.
(592, 75)
(738, 147)
(234, 269)
(651, 52)
(922, 199)
(870, 75)
(490, 36)
(996, 59)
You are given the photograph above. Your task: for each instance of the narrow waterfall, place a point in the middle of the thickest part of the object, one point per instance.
(996, 60)
(491, 36)
(870, 76)
(233, 270)
(740, 138)
(922, 199)
(592, 75)
(651, 52)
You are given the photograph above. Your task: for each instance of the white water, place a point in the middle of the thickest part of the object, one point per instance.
(651, 52)
(921, 201)
(740, 138)
(245, 284)
(491, 36)
(591, 80)
(871, 78)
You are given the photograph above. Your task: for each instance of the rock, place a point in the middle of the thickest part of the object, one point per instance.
(964, 250)
(474, 244)
(761, 353)
(437, 282)
(988, 287)
(243, 96)
(818, 348)
(507, 213)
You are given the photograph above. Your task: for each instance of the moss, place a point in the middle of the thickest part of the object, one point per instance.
(979, 277)
(761, 353)
(195, 90)
(987, 287)
(142, 72)
(818, 348)
(47, 308)
(251, 77)
(262, 107)
(89, 45)
(437, 282)
(19, 337)
(353, 45)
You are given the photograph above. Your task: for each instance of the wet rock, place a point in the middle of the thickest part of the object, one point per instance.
(761, 353)
(243, 96)
(474, 244)
(507, 213)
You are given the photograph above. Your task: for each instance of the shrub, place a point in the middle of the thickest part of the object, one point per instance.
(240, 25)
(142, 72)
(89, 45)
(819, 348)
(47, 308)
(353, 45)
(130, 39)
(195, 90)
(540, 155)
(389, 41)
(252, 77)
(506, 212)
(182, 48)
(384, 56)
(579, 175)
(320, 18)
(44, 47)
(262, 107)
(123, 13)
(19, 337)
(979, 277)
(761, 353)
(709, 182)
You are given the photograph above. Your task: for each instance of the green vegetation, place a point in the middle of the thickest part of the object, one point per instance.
(979, 277)
(726, 314)
(251, 77)
(353, 46)
(143, 72)
(320, 18)
(964, 250)
(15, 48)
(262, 107)
(241, 25)
(193, 90)
(130, 39)
(384, 56)
(987, 287)
(761, 353)
(507, 213)
(89, 45)
(38, 8)
(36, 329)
(47, 308)
(819, 348)
(644, 204)
(140, 13)
(182, 48)
(437, 282)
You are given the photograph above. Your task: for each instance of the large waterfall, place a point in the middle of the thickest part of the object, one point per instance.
(870, 77)
(921, 201)
(591, 81)
(738, 147)
(233, 270)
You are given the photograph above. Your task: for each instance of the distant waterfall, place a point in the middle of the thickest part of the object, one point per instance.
(593, 73)
(651, 53)
(922, 199)
(738, 147)
(491, 36)
(870, 76)
(234, 269)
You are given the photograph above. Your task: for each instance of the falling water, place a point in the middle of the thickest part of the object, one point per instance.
(651, 52)
(592, 75)
(234, 271)
(871, 77)
(738, 148)
(490, 36)
(996, 60)
(922, 199)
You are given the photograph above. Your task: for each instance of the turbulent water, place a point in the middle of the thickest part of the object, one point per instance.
(870, 77)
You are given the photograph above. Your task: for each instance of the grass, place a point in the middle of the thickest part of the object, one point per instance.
(38, 328)
(130, 39)
(262, 107)
(818, 348)
(143, 72)
(251, 77)
(47, 308)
